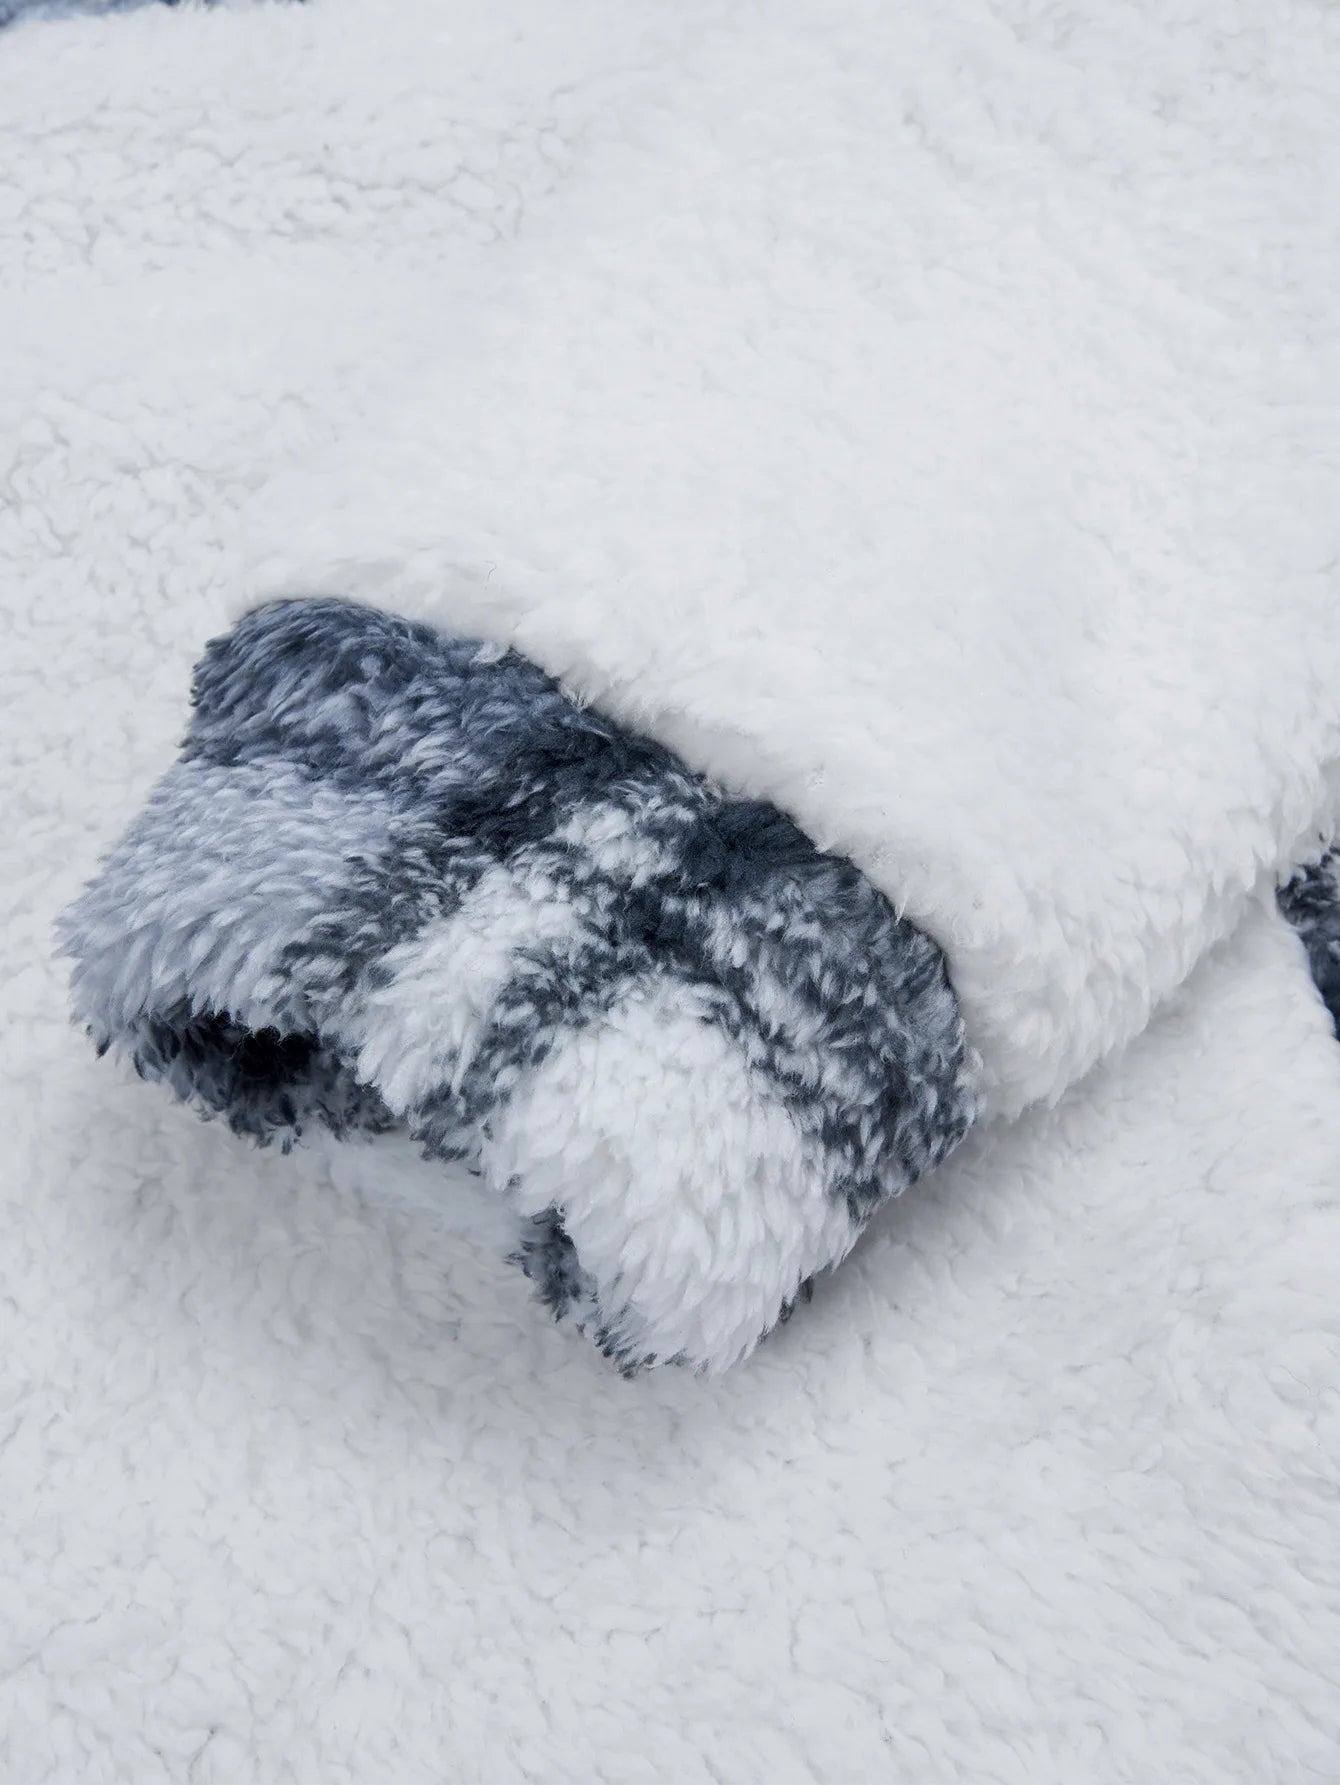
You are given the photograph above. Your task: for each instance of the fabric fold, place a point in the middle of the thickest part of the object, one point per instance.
(399, 880)
(924, 423)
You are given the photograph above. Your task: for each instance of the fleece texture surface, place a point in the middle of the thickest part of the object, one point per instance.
(918, 417)
(297, 1488)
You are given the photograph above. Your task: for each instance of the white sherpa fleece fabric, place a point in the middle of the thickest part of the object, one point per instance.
(922, 417)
